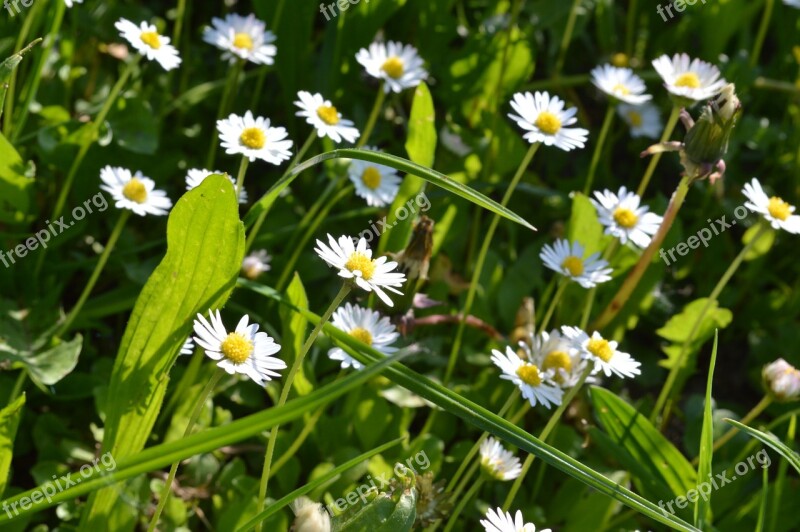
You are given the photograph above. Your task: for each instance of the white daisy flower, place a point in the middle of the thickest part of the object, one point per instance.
(777, 212)
(256, 263)
(254, 138)
(328, 122)
(364, 325)
(242, 38)
(376, 183)
(536, 384)
(603, 353)
(355, 262)
(196, 176)
(134, 192)
(245, 351)
(644, 120)
(147, 41)
(620, 83)
(568, 260)
(188, 347)
(553, 352)
(499, 521)
(689, 78)
(782, 380)
(624, 217)
(71, 3)
(498, 462)
(544, 119)
(399, 66)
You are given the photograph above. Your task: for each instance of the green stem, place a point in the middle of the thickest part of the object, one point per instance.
(251, 237)
(566, 38)
(587, 309)
(240, 176)
(666, 390)
(176, 32)
(635, 275)
(553, 303)
(463, 503)
(762, 33)
(262, 76)
(298, 441)
(196, 411)
(476, 274)
(287, 386)
(754, 413)
(18, 385)
(87, 290)
(373, 117)
(224, 107)
(12, 82)
(630, 30)
(601, 139)
(651, 166)
(551, 423)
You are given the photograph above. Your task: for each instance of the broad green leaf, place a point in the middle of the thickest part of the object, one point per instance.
(681, 326)
(487, 421)
(9, 421)
(634, 432)
(398, 163)
(205, 244)
(772, 441)
(584, 227)
(702, 510)
(16, 190)
(294, 328)
(49, 367)
(762, 245)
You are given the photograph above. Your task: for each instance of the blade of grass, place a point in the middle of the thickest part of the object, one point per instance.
(702, 510)
(772, 441)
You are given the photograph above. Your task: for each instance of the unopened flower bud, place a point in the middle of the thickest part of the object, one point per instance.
(255, 264)
(782, 381)
(415, 260)
(310, 516)
(707, 140)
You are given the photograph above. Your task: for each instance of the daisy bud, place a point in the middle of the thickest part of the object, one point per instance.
(782, 381)
(706, 141)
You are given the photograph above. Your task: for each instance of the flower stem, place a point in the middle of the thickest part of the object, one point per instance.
(762, 33)
(635, 275)
(601, 139)
(12, 82)
(553, 303)
(112, 241)
(240, 176)
(666, 390)
(196, 411)
(373, 117)
(462, 503)
(476, 274)
(224, 107)
(551, 423)
(651, 166)
(754, 413)
(287, 386)
(567, 37)
(587, 309)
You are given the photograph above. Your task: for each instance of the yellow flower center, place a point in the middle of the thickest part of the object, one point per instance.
(779, 209)
(574, 266)
(393, 67)
(529, 374)
(253, 138)
(625, 217)
(362, 335)
(371, 177)
(150, 38)
(328, 114)
(557, 359)
(688, 79)
(243, 41)
(236, 348)
(548, 123)
(134, 190)
(635, 118)
(600, 348)
(362, 263)
(621, 89)
(619, 60)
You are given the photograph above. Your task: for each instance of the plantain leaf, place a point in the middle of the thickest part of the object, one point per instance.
(16, 189)
(9, 421)
(205, 244)
(584, 227)
(294, 332)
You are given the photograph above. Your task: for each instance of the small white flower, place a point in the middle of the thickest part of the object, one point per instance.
(553, 352)
(255, 264)
(536, 384)
(568, 260)
(355, 262)
(245, 351)
(254, 138)
(624, 217)
(499, 521)
(325, 118)
(366, 326)
(620, 83)
(400, 67)
(134, 192)
(777, 212)
(196, 176)
(544, 119)
(644, 120)
(603, 353)
(71, 3)
(498, 462)
(242, 37)
(310, 516)
(792, 3)
(147, 41)
(188, 347)
(689, 78)
(453, 142)
(782, 380)
(376, 183)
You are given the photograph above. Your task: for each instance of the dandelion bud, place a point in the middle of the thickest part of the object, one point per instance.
(782, 381)
(706, 141)
(310, 516)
